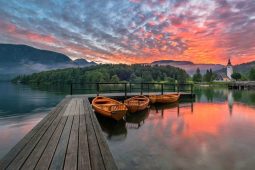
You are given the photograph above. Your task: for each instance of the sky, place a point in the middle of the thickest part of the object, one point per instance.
(134, 31)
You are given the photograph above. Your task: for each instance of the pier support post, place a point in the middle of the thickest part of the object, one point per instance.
(71, 88)
(141, 88)
(97, 87)
(162, 88)
(191, 88)
(125, 89)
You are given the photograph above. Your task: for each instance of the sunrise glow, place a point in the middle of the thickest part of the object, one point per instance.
(134, 31)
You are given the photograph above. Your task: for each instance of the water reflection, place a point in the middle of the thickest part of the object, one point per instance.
(115, 130)
(13, 129)
(21, 108)
(215, 132)
(136, 120)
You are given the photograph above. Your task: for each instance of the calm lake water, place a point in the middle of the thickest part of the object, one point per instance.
(216, 131)
(21, 108)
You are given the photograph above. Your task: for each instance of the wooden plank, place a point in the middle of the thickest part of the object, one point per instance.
(72, 139)
(45, 160)
(71, 159)
(83, 155)
(20, 145)
(59, 156)
(28, 148)
(38, 150)
(94, 151)
(104, 148)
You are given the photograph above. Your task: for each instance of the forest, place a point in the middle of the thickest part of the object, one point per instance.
(113, 73)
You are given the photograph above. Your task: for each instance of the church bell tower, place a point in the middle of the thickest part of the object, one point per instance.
(229, 69)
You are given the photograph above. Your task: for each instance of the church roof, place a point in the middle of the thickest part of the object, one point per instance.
(221, 76)
(229, 62)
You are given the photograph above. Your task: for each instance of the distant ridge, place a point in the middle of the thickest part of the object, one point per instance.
(83, 62)
(188, 66)
(23, 59)
(171, 61)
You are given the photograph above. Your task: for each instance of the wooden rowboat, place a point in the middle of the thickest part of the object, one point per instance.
(137, 103)
(166, 98)
(109, 107)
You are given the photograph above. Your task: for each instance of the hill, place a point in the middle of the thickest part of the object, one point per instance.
(188, 66)
(22, 59)
(107, 73)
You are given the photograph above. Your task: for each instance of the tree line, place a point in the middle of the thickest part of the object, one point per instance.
(113, 73)
(210, 76)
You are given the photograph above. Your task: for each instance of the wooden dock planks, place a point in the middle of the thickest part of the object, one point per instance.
(69, 137)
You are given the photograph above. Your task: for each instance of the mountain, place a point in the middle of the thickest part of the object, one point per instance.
(22, 59)
(188, 66)
(241, 68)
(82, 62)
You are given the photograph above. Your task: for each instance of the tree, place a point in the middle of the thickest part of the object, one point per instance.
(197, 77)
(115, 79)
(207, 76)
(252, 74)
(236, 76)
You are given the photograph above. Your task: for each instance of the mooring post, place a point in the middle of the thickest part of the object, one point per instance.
(191, 90)
(141, 88)
(162, 88)
(125, 89)
(97, 84)
(71, 88)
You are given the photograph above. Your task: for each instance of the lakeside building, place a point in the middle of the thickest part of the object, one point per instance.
(227, 75)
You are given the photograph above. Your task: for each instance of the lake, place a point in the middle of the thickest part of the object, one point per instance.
(216, 131)
(21, 108)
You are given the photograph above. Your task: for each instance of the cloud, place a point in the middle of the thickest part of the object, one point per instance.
(202, 31)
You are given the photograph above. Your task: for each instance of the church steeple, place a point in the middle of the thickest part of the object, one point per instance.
(229, 69)
(229, 62)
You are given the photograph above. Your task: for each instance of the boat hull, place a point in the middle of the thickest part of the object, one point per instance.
(166, 98)
(109, 108)
(137, 103)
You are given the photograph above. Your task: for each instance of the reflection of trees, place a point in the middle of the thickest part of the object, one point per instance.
(116, 130)
(198, 92)
(252, 98)
(244, 96)
(237, 95)
(209, 93)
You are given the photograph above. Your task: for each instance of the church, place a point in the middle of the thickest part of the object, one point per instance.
(225, 76)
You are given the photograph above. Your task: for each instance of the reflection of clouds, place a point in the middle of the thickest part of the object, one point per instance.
(206, 139)
(13, 129)
(135, 30)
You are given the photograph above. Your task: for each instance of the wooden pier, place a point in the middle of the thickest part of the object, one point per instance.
(130, 89)
(123, 96)
(242, 85)
(69, 137)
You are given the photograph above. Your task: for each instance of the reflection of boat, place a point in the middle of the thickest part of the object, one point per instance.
(165, 98)
(157, 110)
(137, 103)
(136, 120)
(115, 130)
(109, 107)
